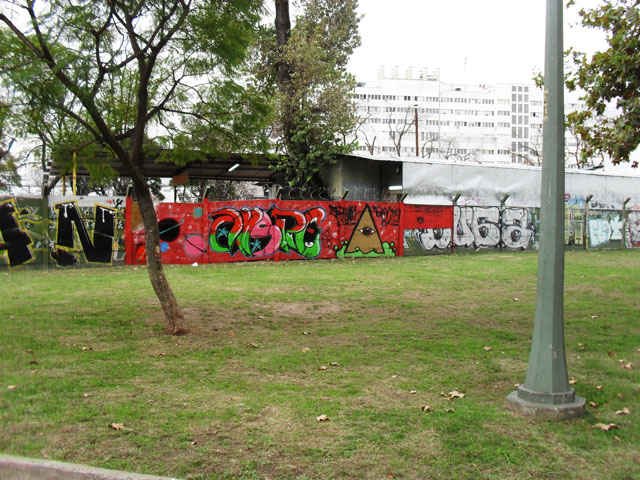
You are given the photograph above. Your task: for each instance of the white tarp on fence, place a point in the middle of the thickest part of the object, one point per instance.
(437, 183)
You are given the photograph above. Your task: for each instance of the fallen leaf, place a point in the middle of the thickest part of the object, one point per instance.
(605, 427)
(322, 367)
(29, 351)
(573, 381)
(305, 333)
(117, 426)
(594, 316)
(87, 348)
(598, 387)
(449, 410)
(322, 418)
(621, 361)
(620, 396)
(486, 349)
(230, 333)
(33, 362)
(581, 276)
(394, 376)
(334, 364)
(11, 387)
(517, 385)
(33, 372)
(617, 439)
(516, 299)
(87, 395)
(252, 345)
(627, 366)
(305, 350)
(593, 404)
(624, 411)
(426, 408)
(413, 392)
(611, 354)
(194, 443)
(456, 394)
(582, 345)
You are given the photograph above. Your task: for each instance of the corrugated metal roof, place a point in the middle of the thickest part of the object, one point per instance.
(251, 167)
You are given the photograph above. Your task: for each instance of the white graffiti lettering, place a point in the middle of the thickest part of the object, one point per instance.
(517, 229)
(430, 238)
(478, 227)
(633, 229)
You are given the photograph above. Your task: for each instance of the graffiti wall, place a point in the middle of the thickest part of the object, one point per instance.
(214, 232)
(21, 231)
(632, 230)
(67, 232)
(62, 231)
(474, 228)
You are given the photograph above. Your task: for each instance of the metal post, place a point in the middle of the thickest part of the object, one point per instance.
(587, 237)
(45, 232)
(546, 392)
(75, 176)
(502, 204)
(453, 224)
(416, 120)
(625, 222)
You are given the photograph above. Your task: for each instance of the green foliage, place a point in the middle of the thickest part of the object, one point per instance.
(316, 113)
(8, 168)
(97, 77)
(609, 77)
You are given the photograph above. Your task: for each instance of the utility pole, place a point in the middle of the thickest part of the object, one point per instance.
(546, 392)
(416, 121)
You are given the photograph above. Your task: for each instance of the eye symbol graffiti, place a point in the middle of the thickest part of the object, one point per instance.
(367, 231)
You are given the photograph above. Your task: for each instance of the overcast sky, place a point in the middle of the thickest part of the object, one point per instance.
(498, 40)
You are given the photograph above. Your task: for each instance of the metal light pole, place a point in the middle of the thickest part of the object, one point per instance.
(546, 392)
(416, 122)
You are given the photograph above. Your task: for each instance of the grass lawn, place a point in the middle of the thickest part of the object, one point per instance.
(238, 397)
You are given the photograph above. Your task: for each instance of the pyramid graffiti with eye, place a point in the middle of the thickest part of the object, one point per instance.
(365, 237)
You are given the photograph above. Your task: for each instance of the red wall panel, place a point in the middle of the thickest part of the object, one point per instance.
(214, 232)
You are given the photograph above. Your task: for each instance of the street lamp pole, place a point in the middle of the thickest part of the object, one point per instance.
(416, 122)
(546, 392)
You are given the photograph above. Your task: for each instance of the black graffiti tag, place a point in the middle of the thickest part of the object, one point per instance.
(387, 215)
(344, 215)
(13, 239)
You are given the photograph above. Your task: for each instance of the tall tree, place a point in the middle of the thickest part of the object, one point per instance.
(611, 77)
(121, 72)
(316, 113)
(8, 168)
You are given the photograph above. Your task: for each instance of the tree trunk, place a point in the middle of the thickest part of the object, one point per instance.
(283, 32)
(168, 301)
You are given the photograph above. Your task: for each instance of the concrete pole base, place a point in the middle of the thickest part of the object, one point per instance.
(546, 411)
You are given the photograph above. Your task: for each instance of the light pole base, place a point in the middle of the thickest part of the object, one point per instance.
(545, 411)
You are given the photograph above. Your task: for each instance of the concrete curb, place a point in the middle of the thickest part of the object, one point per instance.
(19, 468)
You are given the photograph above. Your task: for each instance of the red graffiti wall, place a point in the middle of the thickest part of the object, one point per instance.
(212, 232)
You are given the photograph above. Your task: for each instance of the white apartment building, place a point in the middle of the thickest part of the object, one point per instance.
(498, 124)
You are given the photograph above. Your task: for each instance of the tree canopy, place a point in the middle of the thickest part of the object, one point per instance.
(610, 77)
(306, 65)
(117, 78)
